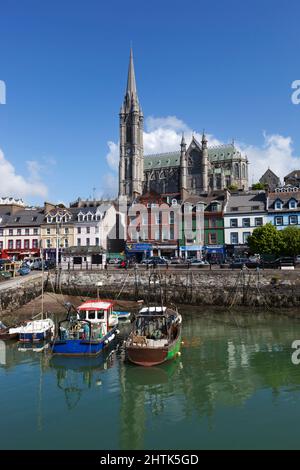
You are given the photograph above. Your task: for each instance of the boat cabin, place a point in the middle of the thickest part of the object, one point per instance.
(97, 311)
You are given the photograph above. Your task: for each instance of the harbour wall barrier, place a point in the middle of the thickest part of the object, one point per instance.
(17, 292)
(264, 288)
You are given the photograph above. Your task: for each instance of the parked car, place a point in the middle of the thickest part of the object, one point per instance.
(157, 260)
(199, 262)
(3, 262)
(176, 260)
(238, 263)
(5, 275)
(24, 270)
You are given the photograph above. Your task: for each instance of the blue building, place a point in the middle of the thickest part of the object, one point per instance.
(283, 207)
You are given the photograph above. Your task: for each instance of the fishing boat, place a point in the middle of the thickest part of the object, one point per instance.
(122, 315)
(5, 335)
(35, 330)
(86, 331)
(156, 334)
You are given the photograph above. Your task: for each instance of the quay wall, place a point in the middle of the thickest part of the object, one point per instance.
(266, 288)
(19, 291)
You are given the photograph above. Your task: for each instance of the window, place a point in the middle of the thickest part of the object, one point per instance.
(66, 230)
(18, 244)
(80, 218)
(165, 234)
(48, 243)
(1, 245)
(48, 231)
(66, 243)
(79, 230)
(92, 315)
(214, 207)
(172, 233)
(19, 231)
(97, 242)
(246, 222)
(26, 231)
(1, 232)
(212, 238)
(89, 217)
(17, 219)
(26, 244)
(245, 237)
(88, 230)
(34, 219)
(234, 209)
(35, 243)
(233, 223)
(49, 219)
(293, 204)
(171, 217)
(158, 218)
(35, 231)
(10, 244)
(78, 242)
(10, 231)
(87, 242)
(258, 221)
(255, 208)
(278, 220)
(234, 238)
(145, 219)
(278, 205)
(156, 236)
(293, 219)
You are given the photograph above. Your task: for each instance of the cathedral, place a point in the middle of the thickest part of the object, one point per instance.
(193, 169)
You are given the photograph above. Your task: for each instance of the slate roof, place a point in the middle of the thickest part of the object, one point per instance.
(246, 202)
(172, 159)
(25, 218)
(284, 197)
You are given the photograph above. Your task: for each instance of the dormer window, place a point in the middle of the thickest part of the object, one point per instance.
(292, 204)
(49, 219)
(278, 204)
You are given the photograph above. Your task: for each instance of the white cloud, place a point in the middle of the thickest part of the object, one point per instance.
(16, 185)
(276, 153)
(163, 134)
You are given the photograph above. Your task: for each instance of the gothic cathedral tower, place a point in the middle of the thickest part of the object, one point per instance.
(131, 165)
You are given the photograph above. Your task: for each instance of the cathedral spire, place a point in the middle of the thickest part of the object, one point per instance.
(131, 85)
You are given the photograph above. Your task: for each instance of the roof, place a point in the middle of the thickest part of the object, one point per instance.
(293, 174)
(25, 217)
(95, 305)
(172, 159)
(246, 202)
(284, 197)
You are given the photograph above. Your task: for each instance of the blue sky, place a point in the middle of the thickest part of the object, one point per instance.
(226, 66)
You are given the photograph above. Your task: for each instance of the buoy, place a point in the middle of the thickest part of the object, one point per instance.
(98, 383)
(179, 354)
(182, 342)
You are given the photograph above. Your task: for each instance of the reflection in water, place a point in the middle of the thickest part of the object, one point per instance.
(76, 375)
(232, 371)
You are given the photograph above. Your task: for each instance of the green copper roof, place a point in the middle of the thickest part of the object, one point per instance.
(172, 159)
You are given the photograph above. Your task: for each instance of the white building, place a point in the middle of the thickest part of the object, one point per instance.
(243, 213)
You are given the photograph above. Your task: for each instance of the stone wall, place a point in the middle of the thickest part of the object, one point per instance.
(217, 287)
(18, 292)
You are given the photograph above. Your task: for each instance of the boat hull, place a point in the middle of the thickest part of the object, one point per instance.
(79, 347)
(35, 337)
(148, 357)
(6, 336)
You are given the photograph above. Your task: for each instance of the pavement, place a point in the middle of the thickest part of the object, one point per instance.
(19, 280)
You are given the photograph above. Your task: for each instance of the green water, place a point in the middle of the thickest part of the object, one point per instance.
(234, 387)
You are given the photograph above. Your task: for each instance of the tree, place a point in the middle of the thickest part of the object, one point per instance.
(266, 240)
(232, 187)
(258, 186)
(291, 241)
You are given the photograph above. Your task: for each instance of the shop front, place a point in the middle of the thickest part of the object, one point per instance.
(138, 251)
(190, 251)
(215, 254)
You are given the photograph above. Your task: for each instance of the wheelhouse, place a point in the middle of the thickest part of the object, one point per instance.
(95, 311)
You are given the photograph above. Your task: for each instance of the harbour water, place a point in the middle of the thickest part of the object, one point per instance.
(233, 387)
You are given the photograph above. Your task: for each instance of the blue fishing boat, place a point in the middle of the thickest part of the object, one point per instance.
(87, 330)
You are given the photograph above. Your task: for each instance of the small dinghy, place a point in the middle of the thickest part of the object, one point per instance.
(5, 335)
(35, 330)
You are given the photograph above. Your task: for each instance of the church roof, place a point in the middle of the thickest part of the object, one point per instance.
(172, 159)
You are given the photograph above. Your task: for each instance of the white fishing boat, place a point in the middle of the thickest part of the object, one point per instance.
(35, 330)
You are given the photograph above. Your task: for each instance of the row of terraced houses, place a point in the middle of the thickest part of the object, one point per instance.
(90, 228)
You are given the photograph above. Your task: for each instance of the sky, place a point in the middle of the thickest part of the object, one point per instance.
(225, 66)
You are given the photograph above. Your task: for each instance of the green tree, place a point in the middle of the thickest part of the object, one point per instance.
(266, 240)
(258, 186)
(291, 241)
(233, 187)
